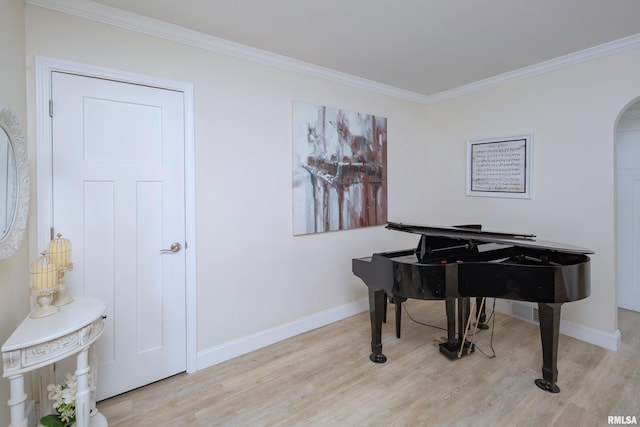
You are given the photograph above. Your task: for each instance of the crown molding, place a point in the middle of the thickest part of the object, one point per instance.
(589, 54)
(142, 24)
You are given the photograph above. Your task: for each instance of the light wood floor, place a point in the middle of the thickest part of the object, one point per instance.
(324, 378)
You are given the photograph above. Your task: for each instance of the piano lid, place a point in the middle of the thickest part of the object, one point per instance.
(479, 236)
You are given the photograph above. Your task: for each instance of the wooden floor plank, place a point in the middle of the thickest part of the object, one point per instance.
(324, 377)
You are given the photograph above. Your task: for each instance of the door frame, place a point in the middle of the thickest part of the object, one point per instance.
(44, 158)
(625, 114)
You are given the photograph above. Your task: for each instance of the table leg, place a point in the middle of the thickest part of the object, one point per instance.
(96, 419)
(16, 401)
(83, 396)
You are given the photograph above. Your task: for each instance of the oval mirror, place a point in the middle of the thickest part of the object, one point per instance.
(14, 183)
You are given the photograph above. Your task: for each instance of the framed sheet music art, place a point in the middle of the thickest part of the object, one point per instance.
(500, 167)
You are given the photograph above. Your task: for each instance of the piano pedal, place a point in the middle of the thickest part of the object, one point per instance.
(452, 350)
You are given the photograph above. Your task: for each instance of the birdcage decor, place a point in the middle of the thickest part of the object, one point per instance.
(44, 284)
(60, 253)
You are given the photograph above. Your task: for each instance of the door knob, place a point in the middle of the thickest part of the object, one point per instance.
(174, 248)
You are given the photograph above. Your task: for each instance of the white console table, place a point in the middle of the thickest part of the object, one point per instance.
(41, 342)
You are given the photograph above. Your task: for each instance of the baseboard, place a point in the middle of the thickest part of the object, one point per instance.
(244, 345)
(610, 341)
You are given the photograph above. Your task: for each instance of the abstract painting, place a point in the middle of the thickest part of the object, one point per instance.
(339, 169)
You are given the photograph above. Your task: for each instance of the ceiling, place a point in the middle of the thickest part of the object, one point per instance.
(421, 46)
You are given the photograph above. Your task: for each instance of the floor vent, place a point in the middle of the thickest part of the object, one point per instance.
(525, 311)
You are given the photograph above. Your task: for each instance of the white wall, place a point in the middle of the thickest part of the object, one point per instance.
(14, 286)
(572, 115)
(252, 274)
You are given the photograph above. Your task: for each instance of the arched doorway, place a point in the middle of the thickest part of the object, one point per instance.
(627, 167)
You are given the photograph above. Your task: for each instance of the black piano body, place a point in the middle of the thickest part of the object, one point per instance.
(458, 263)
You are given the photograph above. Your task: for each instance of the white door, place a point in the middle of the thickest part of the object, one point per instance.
(118, 196)
(628, 211)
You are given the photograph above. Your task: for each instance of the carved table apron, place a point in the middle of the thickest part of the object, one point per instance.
(41, 342)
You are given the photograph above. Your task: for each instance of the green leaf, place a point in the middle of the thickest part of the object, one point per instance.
(51, 421)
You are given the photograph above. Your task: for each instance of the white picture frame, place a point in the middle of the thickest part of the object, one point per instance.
(500, 167)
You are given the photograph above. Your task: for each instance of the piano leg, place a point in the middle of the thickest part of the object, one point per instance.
(450, 307)
(549, 314)
(377, 303)
(384, 314)
(451, 348)
(397, 301)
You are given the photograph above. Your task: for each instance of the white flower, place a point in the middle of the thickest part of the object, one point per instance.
(64, 398)
(68, 396)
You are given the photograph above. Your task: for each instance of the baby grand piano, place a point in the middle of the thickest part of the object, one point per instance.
(457, 263)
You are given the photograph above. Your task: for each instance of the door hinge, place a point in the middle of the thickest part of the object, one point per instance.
(51, 108)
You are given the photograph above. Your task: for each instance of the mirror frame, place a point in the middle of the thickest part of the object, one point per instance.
(11, 241)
